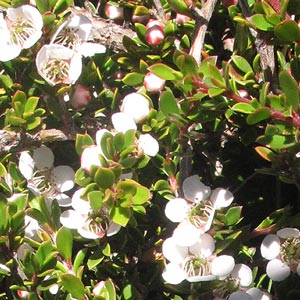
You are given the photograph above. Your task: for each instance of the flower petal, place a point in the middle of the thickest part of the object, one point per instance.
(221, 198)
(63, 178)
(90, 49)
(222, 265)
(173, 274)
(255, 293)
(113, 228)
(277, 270)
(287, 232)
(63, 200)
(186, 234)
(136, 106)
(176, 210)
(123, 122)
(239, 295)
(194, 190)
(80, 205)
(90, 157)
(270, 246)
(243, 273)
(26, 165)
(148, 144)
(43, 158)
(204, 247)
(173, 252)
(71, 219)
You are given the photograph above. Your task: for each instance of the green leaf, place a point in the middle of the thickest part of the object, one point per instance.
(287, 31)
(133, 79)
(82, 141)
(260, 114)
(290, 88)
(276, 141)
(64, 242)
(245, 108)
(95, 259)
(95, 198)
(186, 63)
(120, 215)
(2, 170)
(265, 153)
(73, 285)
(31, 104)
(215, 76)
(142, 195)
(233, 215)
(241, 63)
(165, 72)
(104, 177)
(79, 259)
(168, 104)
(261, 22)
(61, 6)
(43, 5)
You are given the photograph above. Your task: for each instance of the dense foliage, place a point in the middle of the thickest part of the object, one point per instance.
(149, 149)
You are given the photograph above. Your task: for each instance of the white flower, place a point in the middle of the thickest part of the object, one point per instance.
(90, 224)
(90, 157)
(239, 295)
(222, 265)
(45, 179)
(221, 198)
(58, 64)
(186, 234)
(282, 251)
(136, 106)
(123, 122)
(20, 29)
(148, 144)
(242, 274)
(188, 262)
(74, 33)
(258, 294)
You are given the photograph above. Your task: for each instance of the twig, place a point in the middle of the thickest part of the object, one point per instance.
(202, 18)
(160, 10)
(265, 50)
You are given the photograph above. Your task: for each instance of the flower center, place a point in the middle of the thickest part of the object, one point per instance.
(56, 70)
(290, 251)
(21, 31)
(200, 214)
(40, 182)
(97, 222)
(196, 266)
(68, 37)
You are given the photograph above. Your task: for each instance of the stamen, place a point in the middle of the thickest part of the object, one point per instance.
(200, 214)
(97, 222)
(69, 38)
(40, 181)
(196, 266)
(290, 251)
(56, 70)
(21, 31)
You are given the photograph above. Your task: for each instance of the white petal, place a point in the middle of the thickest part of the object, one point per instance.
(9, 51)
(99, 135)
(63, 177)
(277, 270)
(176, 210)
(113, 228)
(136, 106)
(194, 190)
(63, 200)
(255, 293)
(239, 295)
(90, 157)
(186, 234)
(201, 278)
(87, 234)
(172, 252)
(286, 233)
(221, 198)
(90, 49)
(26, 165)
(173, 274)
(270, 246)
(123, 122)
(148, 144)
(71, 219)
(32, 227)
(53, 289)
(243, 273)
(23, 249)
(43, 158)
(222, 265)
(80, 205)
(204, 247)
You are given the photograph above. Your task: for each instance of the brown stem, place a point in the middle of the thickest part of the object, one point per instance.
(202, 18)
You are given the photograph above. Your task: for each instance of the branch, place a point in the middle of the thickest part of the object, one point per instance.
(202, 18)
(11, 141)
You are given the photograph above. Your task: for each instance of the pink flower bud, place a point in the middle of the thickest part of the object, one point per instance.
(114, 12)
(153, 83)
(181, 19)
(154, 35)
(81, 97)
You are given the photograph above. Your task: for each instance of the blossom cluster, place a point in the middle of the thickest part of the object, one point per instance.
(190, 250)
